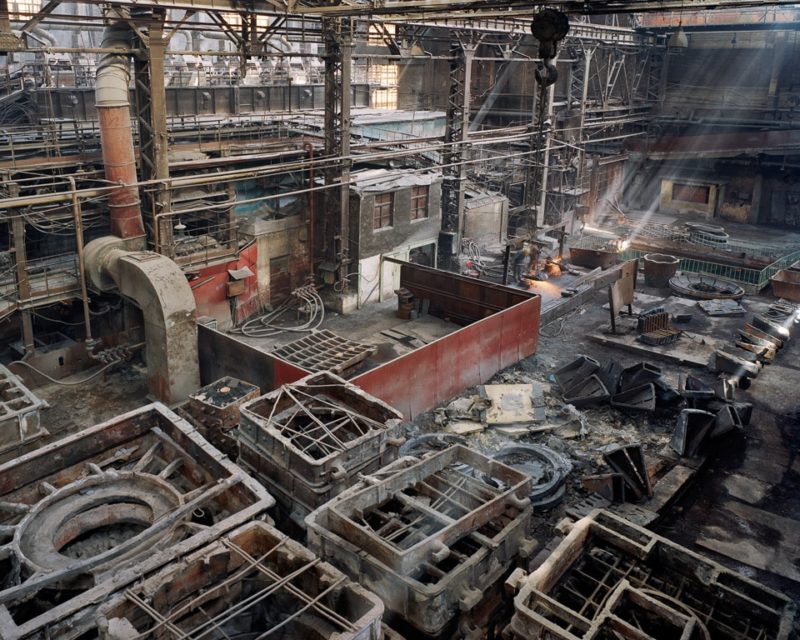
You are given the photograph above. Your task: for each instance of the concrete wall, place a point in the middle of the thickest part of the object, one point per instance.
(669, 203)
(377, 281)
(283, 238)
(486, 219)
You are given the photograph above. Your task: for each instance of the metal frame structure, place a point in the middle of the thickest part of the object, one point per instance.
(254, 580)
(430, 536)
(611, 578)
(147, 470)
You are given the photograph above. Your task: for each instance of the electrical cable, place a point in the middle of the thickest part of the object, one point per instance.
(265, 326)
(65, 384)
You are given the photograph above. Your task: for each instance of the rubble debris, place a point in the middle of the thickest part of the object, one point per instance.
(215, 409)
(547, 469)
(20, 426)
(690, 432)
(724, 308)
(705, 287)
(307, 441)
(628, 461)
(464, 427)
(612, 578)
(466, 408)
(323, 350)
(430, 537)
(250, 582)
(77, 512)
(427, 443)
(513, 403)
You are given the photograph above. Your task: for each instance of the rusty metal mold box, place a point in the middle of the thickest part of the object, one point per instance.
(217, 404)
(429, 536)
(19, 414)
(308, 441)
(610, 578)
(252, 581)
(320, 428)
(293, 493)
(80, 513)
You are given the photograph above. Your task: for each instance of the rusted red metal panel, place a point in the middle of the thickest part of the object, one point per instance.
(531, 319)
(285, 372)
(465, 369)
(422, 379)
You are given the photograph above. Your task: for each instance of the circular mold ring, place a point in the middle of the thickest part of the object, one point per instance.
(90, 505)
(547, 469)
(702, 287)
(426, 443)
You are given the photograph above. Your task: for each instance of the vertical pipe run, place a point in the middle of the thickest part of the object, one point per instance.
(116, 135)
(77, 215)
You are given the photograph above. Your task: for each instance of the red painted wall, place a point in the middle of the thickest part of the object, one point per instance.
(420, 380)
(210, 295)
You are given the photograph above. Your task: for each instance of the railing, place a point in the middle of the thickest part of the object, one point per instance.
(753, 280)
(53, 276)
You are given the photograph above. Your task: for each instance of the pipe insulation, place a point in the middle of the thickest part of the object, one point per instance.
(112, 98)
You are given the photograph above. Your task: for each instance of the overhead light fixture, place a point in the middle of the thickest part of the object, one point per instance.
(678, 40)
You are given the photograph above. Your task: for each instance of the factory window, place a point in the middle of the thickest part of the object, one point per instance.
(690, 193)
(419, 203)
(382, 213)
(383, 82)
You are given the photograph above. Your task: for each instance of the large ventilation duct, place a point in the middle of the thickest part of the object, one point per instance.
(116, 136)
(159, 288)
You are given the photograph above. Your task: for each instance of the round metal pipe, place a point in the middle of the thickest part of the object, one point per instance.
(116, 134)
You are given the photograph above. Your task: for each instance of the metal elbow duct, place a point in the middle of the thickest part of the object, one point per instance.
(159, 288)
(116, 136)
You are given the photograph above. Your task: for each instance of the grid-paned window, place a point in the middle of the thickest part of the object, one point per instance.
(382, 213)
(419, 203)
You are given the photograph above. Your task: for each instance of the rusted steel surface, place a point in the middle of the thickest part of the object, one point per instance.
(429, 536)
(82, 512)
(252, 581)
(309, 441)
(419, 380)
(611, 574)
(120, 167)
(458, 298)
(222, 355)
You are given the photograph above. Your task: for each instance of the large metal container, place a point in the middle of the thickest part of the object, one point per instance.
(659, 268)
(786, 285)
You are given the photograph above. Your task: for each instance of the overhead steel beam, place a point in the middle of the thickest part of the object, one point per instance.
(420, 9)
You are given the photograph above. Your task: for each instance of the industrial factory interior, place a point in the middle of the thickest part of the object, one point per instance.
(399, 319)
